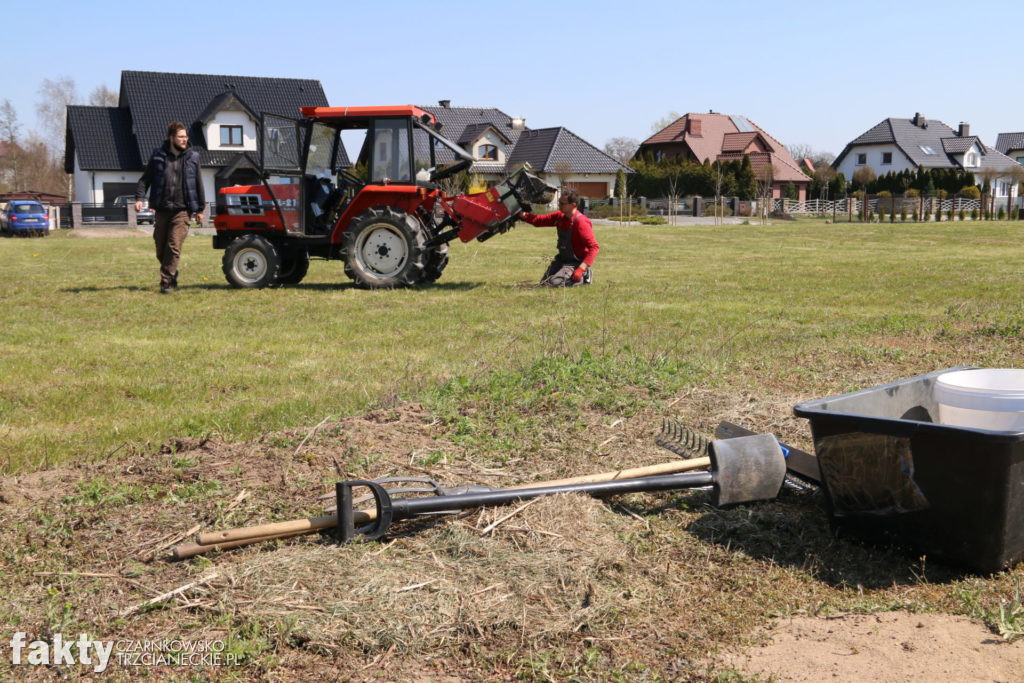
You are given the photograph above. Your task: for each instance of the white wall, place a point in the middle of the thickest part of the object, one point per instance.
(900, 162)
(231, 118)
(490, 138)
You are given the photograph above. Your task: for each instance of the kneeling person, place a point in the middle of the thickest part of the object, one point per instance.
(577, 247)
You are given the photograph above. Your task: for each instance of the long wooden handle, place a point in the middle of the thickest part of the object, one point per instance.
(312, 524)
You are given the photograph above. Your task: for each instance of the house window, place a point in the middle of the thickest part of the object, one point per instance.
(972, 159)
(489, 152)
(231, 136)
(862, 159)
(886, 157)
(926, 149)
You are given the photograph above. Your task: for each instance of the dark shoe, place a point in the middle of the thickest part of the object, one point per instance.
(174, 281)
(165, 289)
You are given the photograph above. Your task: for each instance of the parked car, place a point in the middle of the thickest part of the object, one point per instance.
(144, 216)
(27, 218)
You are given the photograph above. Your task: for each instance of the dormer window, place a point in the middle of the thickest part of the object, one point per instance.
(488, 152)
(230, 136)
(971, 159)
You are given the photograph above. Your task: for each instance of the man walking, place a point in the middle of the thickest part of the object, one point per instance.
(176, 196)
(577, 247)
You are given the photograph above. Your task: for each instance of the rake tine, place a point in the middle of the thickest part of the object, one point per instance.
(683, 442)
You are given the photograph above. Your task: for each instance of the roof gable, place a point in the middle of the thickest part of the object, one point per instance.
(226, 101)
(475, 131)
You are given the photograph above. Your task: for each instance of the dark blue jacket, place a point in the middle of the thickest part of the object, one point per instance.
(192, 195)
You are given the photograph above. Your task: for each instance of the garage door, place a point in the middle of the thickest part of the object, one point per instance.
(592, 190)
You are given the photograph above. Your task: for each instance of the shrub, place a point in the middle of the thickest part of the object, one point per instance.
(1002, 213)
(963, 215)
(950, 213)
(970, 192)
(916, 217)
(903, 215)
(974, 214)
(912, 193)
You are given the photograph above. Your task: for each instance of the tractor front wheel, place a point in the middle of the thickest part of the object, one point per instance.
(251, 262)
(385, 248)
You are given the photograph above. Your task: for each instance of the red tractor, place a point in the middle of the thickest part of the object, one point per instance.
(390, 222)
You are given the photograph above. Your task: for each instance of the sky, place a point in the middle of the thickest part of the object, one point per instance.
(810, 73)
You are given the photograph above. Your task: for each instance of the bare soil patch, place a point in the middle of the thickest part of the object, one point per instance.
(107, 232)
(894, 646)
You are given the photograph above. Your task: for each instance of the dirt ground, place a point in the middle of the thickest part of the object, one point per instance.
(885, 647)
(108, 232)
(588, 586)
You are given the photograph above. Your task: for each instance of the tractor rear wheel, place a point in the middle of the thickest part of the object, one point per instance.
(251, 262)
(385, 248)
(437, 259)
(294, 266)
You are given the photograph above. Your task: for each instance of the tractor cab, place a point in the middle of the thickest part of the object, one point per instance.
(311, 177)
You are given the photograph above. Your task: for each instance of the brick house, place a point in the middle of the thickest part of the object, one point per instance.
(725, 137)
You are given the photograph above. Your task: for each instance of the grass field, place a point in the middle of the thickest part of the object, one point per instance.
(95, 361)
(126, 417)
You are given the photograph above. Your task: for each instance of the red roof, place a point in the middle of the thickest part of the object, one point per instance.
(720, 138)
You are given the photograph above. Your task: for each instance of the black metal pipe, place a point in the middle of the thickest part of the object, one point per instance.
(407, 507)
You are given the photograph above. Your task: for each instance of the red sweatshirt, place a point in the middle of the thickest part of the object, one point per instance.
(582, 232)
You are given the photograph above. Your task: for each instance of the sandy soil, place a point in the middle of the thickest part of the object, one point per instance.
(895, 646)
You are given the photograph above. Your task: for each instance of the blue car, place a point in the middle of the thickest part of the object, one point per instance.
(25, 218)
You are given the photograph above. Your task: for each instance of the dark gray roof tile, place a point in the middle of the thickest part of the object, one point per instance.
(102, 139)
(1007, 142)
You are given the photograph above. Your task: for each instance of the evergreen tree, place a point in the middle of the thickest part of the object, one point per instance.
(746, 181)
(620, 183)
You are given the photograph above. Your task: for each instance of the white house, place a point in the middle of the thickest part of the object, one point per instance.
(107, 147)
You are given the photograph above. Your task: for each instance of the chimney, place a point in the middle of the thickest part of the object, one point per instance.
(965, 130)
(920, 121)
(693, 126)
(445, 103)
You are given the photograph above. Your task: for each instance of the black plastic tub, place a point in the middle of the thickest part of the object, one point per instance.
(893, 476)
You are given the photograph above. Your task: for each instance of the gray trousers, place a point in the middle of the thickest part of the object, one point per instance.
(559, 274)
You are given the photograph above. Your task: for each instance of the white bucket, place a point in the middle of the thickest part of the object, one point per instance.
(985, 398)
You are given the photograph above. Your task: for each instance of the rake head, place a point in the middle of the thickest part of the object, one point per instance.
(682, 441)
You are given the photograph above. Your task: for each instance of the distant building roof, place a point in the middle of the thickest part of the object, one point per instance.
(122, 137)
(102, 138)
(713, 136)
(550, 150)
(543, 148)
(928, 143)
(1009, 142)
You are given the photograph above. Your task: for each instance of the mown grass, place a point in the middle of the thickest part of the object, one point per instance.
(95, 361)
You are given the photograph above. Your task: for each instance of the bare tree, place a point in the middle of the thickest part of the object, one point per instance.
(621, 149)
(52, 109)
(102, 96)
(764, 176)
(8, 122)
(665, 121)
(564, 171)
(673, 194)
